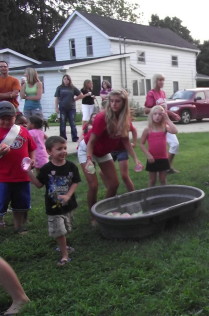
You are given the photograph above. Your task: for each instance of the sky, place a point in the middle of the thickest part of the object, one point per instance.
(195, 18)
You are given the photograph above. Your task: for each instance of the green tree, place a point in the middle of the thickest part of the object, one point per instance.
(118, 9)
(174, 24)
(29, 26)
(203, 58)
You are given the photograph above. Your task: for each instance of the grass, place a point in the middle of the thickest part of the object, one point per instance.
(164, 275)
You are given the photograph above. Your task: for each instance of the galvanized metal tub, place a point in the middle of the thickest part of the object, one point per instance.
(155, 207)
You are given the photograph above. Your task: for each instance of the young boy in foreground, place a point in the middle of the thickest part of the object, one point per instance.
(61, 178)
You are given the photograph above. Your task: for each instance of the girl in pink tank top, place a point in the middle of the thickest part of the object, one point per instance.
(155, 135)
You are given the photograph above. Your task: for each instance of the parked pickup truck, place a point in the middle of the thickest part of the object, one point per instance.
(190, 104)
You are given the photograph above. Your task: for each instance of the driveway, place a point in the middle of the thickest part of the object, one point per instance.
(194, 126)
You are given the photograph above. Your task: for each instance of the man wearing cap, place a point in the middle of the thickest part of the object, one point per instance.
(9, 86)
(15, 144)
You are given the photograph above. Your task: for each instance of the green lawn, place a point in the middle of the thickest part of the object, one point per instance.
(164, 275)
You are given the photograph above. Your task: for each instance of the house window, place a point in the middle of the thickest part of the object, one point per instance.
(175, 86)
(148, 85)
(140, 57)
(97, 83)
(135, 87)
(96, 80)
(41, 78)
(174, 60)
(89, 46)
(72, 48)
(141, 87)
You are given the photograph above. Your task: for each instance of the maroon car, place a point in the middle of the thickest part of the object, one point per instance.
(190, 104)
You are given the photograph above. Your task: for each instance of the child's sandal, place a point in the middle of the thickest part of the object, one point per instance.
(63, 262)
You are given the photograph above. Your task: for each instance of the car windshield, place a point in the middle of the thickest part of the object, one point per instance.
(184, 94)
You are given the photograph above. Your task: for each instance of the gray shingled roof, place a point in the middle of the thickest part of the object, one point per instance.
(139, 32)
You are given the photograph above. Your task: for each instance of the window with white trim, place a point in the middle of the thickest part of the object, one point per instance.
(89, 46)
(174, 61)
(72, 48)
(140, 57)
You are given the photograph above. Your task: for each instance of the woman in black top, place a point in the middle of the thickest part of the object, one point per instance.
(87, 101)
(65, 96)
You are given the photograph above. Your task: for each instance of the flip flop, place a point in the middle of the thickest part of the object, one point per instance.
(63, 262)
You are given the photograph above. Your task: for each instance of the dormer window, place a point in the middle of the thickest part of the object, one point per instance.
(72, 48)
(89, 46)
(140, 57)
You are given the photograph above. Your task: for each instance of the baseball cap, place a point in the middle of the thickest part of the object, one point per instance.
(7, 108)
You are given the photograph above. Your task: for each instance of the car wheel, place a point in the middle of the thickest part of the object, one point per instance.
(199, 120)
(185, 117)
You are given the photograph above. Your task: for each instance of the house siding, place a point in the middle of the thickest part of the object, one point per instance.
(158, 60)
(14, 61)
(79, 30)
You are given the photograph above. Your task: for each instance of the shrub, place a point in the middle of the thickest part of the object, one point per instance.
(136, 108)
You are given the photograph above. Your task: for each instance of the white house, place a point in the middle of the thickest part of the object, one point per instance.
(89, 46)
(15, 59)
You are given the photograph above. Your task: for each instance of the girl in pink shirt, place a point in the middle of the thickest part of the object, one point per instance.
(35, 126)
(155, 136)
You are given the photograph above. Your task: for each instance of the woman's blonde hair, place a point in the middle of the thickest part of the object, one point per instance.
(155, 78)
(150, 117)
(118, 125)
(32, 76)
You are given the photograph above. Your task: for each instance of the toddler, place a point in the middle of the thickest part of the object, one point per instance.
(61, 178)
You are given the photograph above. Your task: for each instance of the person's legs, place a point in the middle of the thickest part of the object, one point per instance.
(71, 118)
(20, 218)
(123, 165)
(85, 114)
(122, 157)
(173, 143)
(58, 230)
(90, 178)
(110, 174)
(20, 204)
(92, 186)
(162, 177)
(152, 179)
(62, 244)
(63, 119)
(5, 197)
(12, 286)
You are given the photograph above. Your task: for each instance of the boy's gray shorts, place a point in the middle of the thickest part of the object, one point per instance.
(59, 225)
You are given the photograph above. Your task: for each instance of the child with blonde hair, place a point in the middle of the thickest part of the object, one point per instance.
(155, 135)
